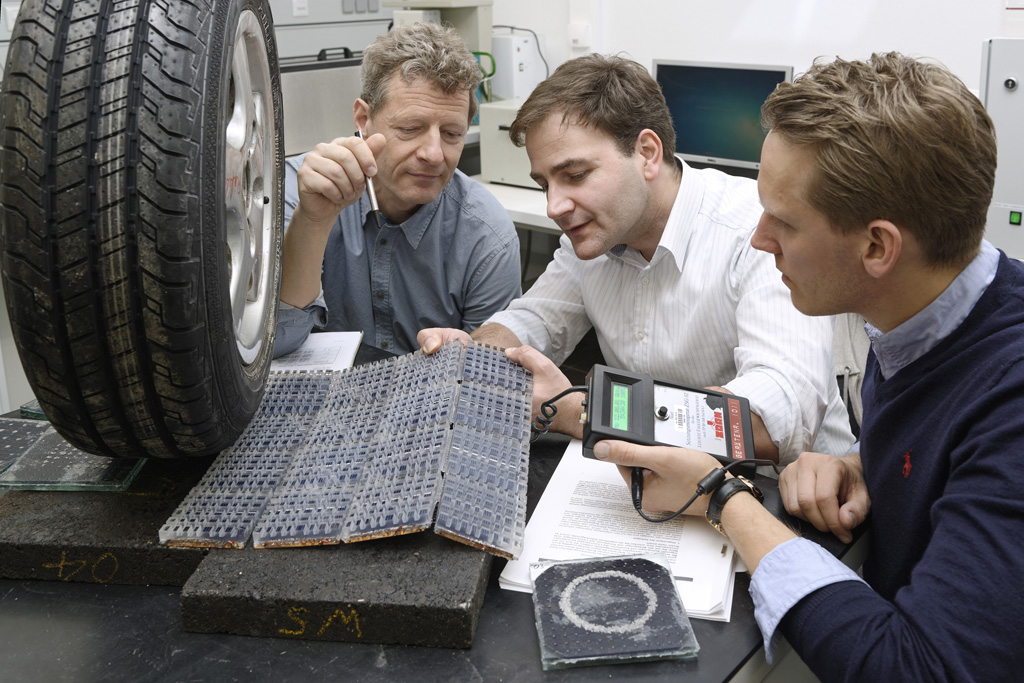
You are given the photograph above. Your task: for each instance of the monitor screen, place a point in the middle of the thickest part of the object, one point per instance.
(716, 108)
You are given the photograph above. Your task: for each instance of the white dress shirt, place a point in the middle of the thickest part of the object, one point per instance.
(725, 319)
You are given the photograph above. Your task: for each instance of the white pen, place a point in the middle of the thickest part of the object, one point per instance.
(375, 209)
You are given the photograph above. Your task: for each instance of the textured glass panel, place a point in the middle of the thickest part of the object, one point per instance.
(362, 454)
(48, 462)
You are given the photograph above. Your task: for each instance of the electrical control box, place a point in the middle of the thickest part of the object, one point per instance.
(1002, 93)
(518, 66)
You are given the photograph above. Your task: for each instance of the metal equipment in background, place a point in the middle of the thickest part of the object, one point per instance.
(318, 92)
(1002, 93)
(500, 160)
(320, 46)
(471, 19)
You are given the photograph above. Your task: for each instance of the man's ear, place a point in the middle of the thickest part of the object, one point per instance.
(649, 146)
(884, 244)
(361, 114)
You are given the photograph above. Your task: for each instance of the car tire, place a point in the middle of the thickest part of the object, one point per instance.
(141, 184)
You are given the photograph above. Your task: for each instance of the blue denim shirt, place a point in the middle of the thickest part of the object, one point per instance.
(797, 568)
(452, 264)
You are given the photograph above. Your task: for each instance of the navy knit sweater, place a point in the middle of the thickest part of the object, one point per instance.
(942, 446)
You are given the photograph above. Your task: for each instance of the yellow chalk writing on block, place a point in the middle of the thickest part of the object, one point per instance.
(102, 570)
(298, 615)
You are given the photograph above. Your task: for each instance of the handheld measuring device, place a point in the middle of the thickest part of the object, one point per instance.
(628, 406)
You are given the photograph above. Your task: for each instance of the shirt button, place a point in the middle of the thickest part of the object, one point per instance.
(384, 345)
(380, 295)
(645, 281)
(640, 336)
(383, 242)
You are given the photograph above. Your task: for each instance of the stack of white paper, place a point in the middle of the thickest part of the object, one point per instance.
(321, 351)
(586, 511)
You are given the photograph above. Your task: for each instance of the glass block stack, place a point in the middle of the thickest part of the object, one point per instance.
(374, 451)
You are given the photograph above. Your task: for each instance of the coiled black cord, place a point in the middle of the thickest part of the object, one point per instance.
(548, 410)
(705, 486)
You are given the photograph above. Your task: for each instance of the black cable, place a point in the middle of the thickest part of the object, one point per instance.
(526, 261)
(536, 41)
(549, 410)
(705, 486)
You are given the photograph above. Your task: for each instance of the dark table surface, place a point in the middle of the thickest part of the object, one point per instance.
(56, 631)
(85, 632)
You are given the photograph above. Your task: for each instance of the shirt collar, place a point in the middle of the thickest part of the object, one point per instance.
(679, 225)
(416, 225)
(901, 346)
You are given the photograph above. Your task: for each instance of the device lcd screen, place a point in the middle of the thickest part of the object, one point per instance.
(620, 407)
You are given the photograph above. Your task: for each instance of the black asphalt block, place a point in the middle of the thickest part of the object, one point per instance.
(419, 589)
(100, 536)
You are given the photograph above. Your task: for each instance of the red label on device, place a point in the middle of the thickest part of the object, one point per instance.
(736, 429)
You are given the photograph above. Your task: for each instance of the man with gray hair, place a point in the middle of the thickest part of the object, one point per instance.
(444, 253)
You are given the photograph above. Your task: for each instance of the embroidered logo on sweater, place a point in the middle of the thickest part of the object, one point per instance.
(906, 464)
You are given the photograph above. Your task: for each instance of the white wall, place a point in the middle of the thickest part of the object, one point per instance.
(787, 32)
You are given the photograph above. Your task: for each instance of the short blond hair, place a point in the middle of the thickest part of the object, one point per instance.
(898, 139)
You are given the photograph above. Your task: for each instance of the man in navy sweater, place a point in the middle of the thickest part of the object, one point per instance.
(875, 180)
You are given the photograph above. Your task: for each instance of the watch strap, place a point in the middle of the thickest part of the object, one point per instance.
(721, 495)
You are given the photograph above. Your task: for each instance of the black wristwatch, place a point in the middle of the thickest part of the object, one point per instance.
(721, 495)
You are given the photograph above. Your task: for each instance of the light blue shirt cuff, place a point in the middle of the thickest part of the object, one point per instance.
(317, 307)
(295, 324)
(785, 576)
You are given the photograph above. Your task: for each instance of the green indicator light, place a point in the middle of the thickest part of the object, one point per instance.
(1015, 218)
(620, 407)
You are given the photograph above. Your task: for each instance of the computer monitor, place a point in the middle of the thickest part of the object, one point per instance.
(716, 109)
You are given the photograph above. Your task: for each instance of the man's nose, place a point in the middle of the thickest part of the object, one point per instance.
(430, 147)
(762, 238)
(559, 203)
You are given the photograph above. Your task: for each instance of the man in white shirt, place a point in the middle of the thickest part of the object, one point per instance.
(876, 180)
(656, 256)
